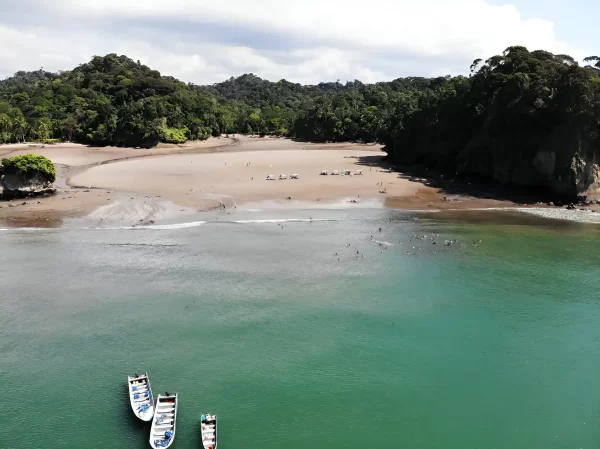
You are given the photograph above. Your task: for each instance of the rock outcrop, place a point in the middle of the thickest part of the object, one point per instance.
(523, 118)
(26, 177)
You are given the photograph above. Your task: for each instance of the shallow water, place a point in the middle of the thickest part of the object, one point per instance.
(475, 345)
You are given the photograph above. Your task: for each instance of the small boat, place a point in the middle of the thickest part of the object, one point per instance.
(324, 173)
(283, 176)
(208, 425)
(295, 176)
(140, 396)
(162, 432)
(271, 177)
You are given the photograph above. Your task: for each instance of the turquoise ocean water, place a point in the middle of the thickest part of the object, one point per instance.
(491, 344)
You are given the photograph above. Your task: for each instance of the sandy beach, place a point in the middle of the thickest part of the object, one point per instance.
(139, 185)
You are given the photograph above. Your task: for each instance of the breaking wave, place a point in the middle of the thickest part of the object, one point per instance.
(282, 220)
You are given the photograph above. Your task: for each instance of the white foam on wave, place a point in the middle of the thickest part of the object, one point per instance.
(580, 216)
(421, 211)
(383, 243)
(162, 227)
(28, 229)
(341, 204)
(191, 224)
(282, 220)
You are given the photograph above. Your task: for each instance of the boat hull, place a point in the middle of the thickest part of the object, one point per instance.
(209, 433)
(140, 397)
(162, 433)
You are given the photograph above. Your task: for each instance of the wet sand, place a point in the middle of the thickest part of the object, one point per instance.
(51, 211)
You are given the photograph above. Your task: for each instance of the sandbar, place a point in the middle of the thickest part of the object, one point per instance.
(133, 185)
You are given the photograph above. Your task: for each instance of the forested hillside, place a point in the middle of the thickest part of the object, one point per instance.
(527, 118)
(110, 100)
(327, 111)
(521, 118)
(113, 100)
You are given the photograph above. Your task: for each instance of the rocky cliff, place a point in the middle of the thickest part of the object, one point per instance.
(522, 118)
(567, 174)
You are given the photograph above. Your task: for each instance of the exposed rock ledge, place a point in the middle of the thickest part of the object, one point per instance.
(15, 186)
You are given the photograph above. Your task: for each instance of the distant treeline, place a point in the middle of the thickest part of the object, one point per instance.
(521, 117)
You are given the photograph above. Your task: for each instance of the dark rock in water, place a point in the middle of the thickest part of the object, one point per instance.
(571, 207)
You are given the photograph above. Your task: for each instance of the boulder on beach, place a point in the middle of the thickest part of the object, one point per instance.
(27, 176)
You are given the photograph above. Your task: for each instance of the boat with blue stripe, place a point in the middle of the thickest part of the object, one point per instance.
(140, 396)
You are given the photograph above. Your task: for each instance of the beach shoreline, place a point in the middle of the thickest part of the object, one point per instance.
(170, 182)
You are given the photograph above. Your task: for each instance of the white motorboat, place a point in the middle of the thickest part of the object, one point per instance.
(208, 425)
(162, 433)
(140, 396)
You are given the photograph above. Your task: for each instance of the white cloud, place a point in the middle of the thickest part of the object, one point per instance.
(305, 41)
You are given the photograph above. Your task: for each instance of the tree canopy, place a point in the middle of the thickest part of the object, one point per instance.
(113, 100)
(524, 118)
(29, 166)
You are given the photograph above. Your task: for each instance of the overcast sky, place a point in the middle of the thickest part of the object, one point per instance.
(307, 41)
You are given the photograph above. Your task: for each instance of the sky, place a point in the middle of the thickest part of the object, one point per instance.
(305, 41)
